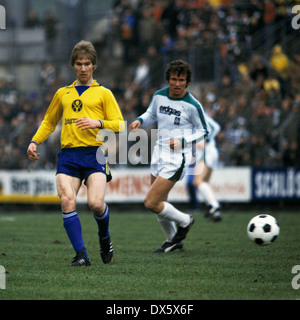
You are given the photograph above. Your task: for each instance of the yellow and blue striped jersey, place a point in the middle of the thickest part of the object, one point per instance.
(97, 102)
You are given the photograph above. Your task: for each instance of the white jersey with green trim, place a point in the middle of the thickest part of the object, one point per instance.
(182, 119)
(214, 129)
(209, 153)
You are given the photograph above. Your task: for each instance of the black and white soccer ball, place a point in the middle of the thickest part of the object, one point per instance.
(263, 229)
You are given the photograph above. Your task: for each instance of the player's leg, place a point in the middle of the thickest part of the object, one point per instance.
(206, 190)
(156, 201)
(168, 226)
(198, 173)
(67, 187)
(192, 190)
(158, 193)
(96, 186)
(207, 193)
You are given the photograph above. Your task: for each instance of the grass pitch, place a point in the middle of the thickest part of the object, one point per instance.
(218, 261)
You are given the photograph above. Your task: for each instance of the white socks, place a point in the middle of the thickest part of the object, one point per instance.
(208, 194)
(172, 214)
(168, 226)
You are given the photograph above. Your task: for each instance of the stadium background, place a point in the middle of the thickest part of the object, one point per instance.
(245, 57)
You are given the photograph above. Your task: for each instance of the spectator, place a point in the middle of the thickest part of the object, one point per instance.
(220, 109)
(259, 150)
(4, 127)
(183, 40)
(272, 88)
(148, 30)
(279, 61)
(141, 76)
(290, 127)
(291, 154)
(242, 153)
(169, 18)
(127, 41)
(257, 67)
(244, 83)
(47, 77)
(50, 26)
(244, 91)
(32, 20)
(168, 45)
(156, 65)
(293, 72)
(269, 16)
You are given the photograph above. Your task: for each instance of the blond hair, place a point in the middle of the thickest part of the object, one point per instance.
(84, 49)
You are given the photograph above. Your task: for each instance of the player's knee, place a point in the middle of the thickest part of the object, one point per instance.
(148, 203)
(67, 203)
(151, 205)
(97, 206)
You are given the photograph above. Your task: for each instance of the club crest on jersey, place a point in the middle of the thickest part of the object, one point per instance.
(77, 105)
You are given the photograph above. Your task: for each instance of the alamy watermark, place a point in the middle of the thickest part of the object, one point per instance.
(295, 281)
(2, 277)
(295, 21)
(134, 147)
(2, 18)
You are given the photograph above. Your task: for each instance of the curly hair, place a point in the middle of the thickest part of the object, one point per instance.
(179, 67)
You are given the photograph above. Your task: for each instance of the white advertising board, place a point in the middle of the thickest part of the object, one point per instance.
(127, 185)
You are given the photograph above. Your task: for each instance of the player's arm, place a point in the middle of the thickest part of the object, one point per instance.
(201, 126)
(47, 126)
(135, 125)
(52, 116)
(175, 144)
(87, 123)
(214, 127)
(112, 113)
(146, 118)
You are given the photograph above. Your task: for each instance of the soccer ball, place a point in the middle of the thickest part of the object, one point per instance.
(263, 229)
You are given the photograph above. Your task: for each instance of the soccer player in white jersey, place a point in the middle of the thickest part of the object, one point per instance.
(181, 122)
(207, 157)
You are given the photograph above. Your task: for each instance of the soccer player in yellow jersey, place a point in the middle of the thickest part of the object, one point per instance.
(85, 107)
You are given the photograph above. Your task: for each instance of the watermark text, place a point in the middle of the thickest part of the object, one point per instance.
(2, 277)
(296, 18)
(296, 279)
(2, 18)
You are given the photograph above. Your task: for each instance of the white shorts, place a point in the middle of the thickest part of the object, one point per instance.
(210, 156)
(169, 164)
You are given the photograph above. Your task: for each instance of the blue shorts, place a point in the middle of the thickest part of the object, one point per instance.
(82, 161)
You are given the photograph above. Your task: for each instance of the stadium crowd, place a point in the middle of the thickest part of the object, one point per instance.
(254, 97)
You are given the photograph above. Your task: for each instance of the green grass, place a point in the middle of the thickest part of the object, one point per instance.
(218, 260)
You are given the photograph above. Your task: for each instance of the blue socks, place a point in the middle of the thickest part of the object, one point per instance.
(103, 224)
(72, 226)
